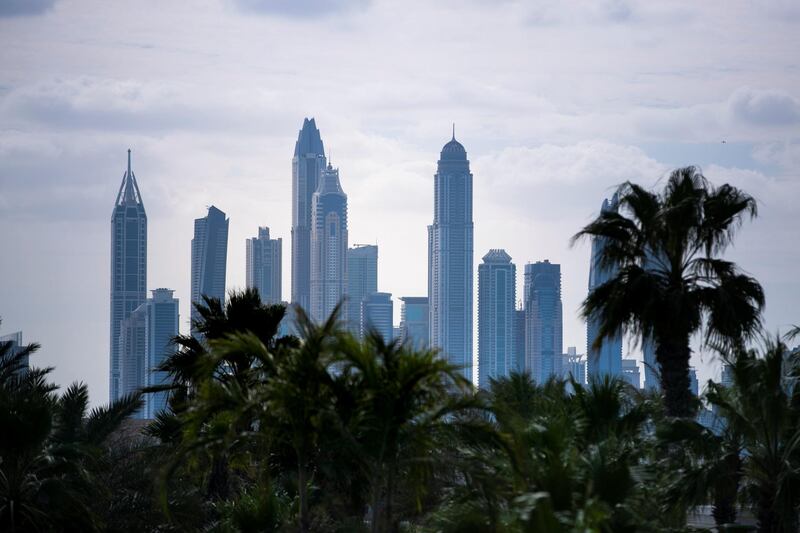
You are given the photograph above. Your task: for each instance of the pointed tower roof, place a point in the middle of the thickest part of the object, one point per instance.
(309, 140)
(128, 194)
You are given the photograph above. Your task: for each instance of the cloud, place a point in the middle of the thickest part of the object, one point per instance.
(300, 8)
(17, 8)
(764, 107)
(129, 105)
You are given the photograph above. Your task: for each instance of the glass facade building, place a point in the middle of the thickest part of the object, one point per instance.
(263, 266)
(362, 280)
(543, 320)
(607, 358)
(377, 313)
(128, 268)
(307, 166)
(328, 245)
(415, 321)
(450, 259)
(209, 258)
(497, 294)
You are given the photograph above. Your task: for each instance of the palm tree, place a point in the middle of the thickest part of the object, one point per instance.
(49, 450)
(405, 399)
(763, 406)
(670, 281)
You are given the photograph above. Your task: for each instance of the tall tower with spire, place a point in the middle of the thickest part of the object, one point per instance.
(307, 166)
(128, 268)
(328, 245)
(450, 256)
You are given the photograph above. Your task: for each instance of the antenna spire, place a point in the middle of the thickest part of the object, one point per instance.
(454, 131)
(129, 163)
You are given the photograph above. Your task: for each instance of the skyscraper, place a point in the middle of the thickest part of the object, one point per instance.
(362, 280)
(519, 339)
(377, 314)
(450, 247)
(12, 343)
(307, 166)
(574, 365)
(161, 326)
(328, 245)
(128, 267)
(497, 294)
(543, 320)
(132, 348)
(415, 321)
(630, 372)
(263, 266)
(209, 257)
(607, 359)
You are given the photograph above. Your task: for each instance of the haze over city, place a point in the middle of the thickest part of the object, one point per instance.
(555, 106)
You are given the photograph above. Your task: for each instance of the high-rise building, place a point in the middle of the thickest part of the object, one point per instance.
(12, 344)
(307, 166)
(543, 320)
(607, 359)
(264, 266)
(209, 258)
(328, 245)
(497, 295)
(574, 365)
(145, 342)
(694, 385)
(519, 339)
(128, 268)
(630, 372)
(161, 327)
(651, 369)
(415, 321)
(132, 348)
(362, 280)
(450, 267)
(726, 379)
(377, 314)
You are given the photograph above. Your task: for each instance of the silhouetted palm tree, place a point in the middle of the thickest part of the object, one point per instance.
(670, 281)
(763, 406)
(49, 448)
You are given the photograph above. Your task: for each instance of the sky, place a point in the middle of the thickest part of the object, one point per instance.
(555, 102)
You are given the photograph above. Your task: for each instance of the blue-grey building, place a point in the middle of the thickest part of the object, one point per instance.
(145, 342)
(630, 372)
(307, 166)
(128, 268)
(362, 280)
(543, 320)
(415, 321)
(328, 245)
(161, 327)
(133, 347)
(652, 372)
(12, 345)
(497, 296)
(607, 359)
(263, 266)
(450, 258)
(519, 339)
(209, 258)
(377, 313)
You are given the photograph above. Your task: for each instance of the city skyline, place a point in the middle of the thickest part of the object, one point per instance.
(550, 133)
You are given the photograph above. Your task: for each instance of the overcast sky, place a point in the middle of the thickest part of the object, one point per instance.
(556, 102)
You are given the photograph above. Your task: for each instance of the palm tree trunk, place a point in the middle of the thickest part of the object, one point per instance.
(218, 479)
(726, 491)
(673, 360)
(302, 494)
